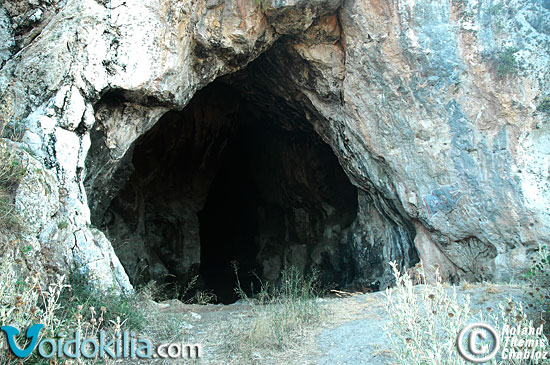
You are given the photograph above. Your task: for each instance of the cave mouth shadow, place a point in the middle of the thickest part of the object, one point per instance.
(279, 198)
(223, 181)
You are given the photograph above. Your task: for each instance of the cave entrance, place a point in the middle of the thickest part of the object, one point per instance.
(224, 181)
(279, 198)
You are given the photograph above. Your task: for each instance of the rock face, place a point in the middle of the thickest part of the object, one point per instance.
(327, 135)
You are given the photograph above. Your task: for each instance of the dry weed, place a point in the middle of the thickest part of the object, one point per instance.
(424, 321)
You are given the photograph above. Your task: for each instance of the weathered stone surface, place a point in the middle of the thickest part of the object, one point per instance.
(37, 197)
(6, 37)
(449, 129)
(442, 137)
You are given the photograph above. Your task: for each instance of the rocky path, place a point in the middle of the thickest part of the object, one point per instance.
(352, 332)
(361, 340)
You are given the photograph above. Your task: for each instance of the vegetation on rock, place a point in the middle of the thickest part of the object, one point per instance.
(544, 105)
(11, 170)
(506, 63)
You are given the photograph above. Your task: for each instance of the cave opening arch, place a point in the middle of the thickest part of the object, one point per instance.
(240, 175)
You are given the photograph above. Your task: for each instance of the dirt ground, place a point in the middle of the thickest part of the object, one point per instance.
(351, 330)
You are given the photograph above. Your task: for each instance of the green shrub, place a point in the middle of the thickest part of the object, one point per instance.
(544, 105)
(81, 295)
(262, 4)
(506, 63)
(63, 306)
(497, 9)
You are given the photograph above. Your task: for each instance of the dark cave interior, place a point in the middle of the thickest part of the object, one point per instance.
(275, 197)
(225, 181)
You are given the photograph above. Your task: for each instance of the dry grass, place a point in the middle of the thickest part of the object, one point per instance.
(24, 300)
(11, 170)
(424, 322)
(10, 127)
(63, 305)
(27, 299)
(492, 288)
(417, 322)
(278, 320)
(538, 287)
(63, 309)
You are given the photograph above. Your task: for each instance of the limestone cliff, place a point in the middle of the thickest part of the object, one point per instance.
(433, 112)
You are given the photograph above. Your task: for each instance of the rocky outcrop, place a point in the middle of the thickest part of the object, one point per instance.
(439, 107)
(430, 108)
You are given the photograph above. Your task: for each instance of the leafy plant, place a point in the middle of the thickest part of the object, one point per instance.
(506, 63)
(544, 105)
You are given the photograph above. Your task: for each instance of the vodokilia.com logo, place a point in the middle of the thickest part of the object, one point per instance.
(119, 345)
(32, 335)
